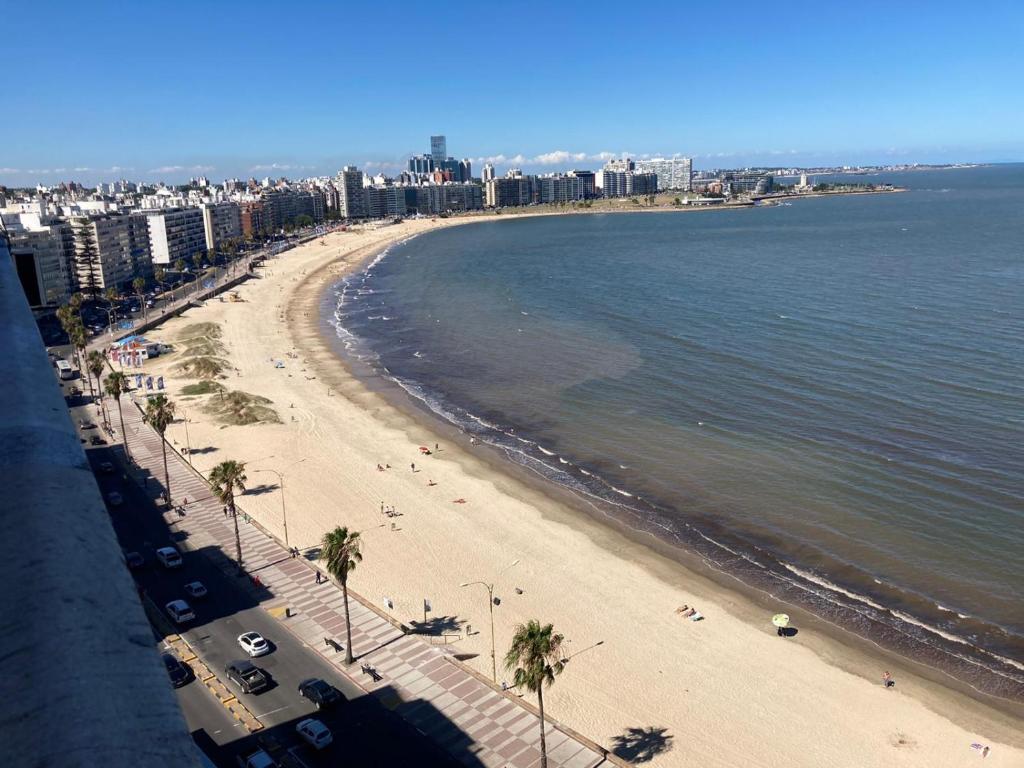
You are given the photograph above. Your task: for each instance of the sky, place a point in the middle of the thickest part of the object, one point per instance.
(164, 91)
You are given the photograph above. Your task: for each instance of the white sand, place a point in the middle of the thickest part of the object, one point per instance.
(726, 691)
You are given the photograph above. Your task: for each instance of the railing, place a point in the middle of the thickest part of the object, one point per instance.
(82, 681)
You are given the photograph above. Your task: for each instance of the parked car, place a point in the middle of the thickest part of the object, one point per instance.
(134, 560)
(196, 589)
(314, 733)
(169, 557)
(97, 440)
(177, 672)
(115, 499)
(106, 467)
(257, 759)
(180, 611)
(86, 424)
(247, 676)
(319, 692)
(254, 644)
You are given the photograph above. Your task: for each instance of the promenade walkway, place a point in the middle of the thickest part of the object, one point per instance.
(463, 713)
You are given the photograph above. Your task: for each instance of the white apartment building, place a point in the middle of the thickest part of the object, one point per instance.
(673, 172)
(176, 233)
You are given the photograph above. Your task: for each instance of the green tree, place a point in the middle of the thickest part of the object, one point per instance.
(197, 260)
(179, 265)
(340, 553)
(87, 259)
(96, 363)
(160, 274)
(226, 478)
(535, 659)
(116, 384)
(139, 284)
(159, 415)
(79, 342)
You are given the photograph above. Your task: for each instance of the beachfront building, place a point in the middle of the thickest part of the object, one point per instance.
(620, 178)
(558, 188)
(588, 183)
(738, 182)
(673, 173)
(43, 251)
(488, 173)
(350, 189)
(384, 202)
(221, 222)
(176, 233)
(511, 190)
(111, 250)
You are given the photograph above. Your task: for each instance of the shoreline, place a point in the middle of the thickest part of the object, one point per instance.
(939, 669)
(307, 333)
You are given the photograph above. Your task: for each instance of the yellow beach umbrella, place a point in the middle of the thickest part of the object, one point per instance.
(780, 620)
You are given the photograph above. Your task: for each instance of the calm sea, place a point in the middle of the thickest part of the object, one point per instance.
(824, 398)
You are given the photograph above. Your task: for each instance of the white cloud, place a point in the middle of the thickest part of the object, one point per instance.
(10, 170)
(279, 167)
(171, 169)
(555, 157)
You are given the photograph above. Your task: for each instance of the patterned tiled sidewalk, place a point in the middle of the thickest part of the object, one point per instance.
(476, 723)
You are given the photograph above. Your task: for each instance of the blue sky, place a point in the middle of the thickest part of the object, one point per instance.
(167, 90)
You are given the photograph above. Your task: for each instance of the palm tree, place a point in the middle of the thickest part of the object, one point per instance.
(225, 479)
(159, 414)
(535, 659)
(96, 363)
(116, 385)
(139, 284)
(78, 340)
(160, 274)
(340, 553)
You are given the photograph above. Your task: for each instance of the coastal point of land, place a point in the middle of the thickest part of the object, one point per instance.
(258, 381)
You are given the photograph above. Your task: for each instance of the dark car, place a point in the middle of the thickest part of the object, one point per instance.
(97, 440)
(319, 692)
(177, 672)
(134, 560)
(247, 676)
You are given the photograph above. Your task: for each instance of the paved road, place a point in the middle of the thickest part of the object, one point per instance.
(365, 732)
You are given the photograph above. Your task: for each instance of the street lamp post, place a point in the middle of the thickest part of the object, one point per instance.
(490, 605)
(284, 513)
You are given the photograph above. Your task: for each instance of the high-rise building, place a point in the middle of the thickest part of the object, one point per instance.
(113, 249)
(510, 191)
(588, 183)
(421, 164)
(558, 188)
(176, 233)
(43, 251)
(350, 187)
(438, 150)
(465, 170)
(619, 178)
(221, 222)
(673, 173)
(488, 173)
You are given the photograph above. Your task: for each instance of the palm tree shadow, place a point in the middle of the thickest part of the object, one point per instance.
(437, 625)
(259, 490)
(641, 745)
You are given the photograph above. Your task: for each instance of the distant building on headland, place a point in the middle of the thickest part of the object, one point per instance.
(674, 173)
(737, 182)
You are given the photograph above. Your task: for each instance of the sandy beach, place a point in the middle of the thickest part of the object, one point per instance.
(643, 680)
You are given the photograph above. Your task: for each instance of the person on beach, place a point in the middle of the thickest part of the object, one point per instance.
(887, 680)
(413, 466)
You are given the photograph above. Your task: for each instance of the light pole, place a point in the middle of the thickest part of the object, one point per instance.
(284, 513)
(490, 605)
(188, 443)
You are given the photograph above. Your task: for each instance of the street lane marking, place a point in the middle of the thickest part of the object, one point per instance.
(279, 709)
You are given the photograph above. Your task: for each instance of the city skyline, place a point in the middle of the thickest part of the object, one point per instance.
(785, 87)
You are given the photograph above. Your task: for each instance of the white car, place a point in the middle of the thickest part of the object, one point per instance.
(180, 611)
(195, 589)
(314, 732)
(253, 643)
(169, 557)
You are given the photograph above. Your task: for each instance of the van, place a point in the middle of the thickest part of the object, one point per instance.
(169, 557)
(180, 611)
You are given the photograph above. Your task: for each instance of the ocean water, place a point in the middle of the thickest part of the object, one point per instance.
(823, 398)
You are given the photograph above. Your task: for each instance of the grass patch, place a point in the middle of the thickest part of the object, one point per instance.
(203, 367)
(200, 331)
(240, 408)
(202, 388)
(202, 348)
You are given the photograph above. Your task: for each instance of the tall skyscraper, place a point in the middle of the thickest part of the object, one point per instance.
(488, 172)
(438, 150)
(353, 199)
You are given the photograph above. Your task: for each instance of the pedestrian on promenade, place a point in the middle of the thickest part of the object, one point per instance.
(413, 465)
